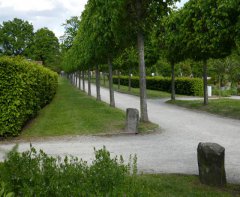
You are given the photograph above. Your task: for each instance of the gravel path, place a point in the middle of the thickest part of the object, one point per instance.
(173, 150)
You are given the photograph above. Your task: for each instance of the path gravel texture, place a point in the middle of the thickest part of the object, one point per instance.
(173, 150)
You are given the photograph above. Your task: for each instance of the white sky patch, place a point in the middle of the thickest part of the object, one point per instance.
(27, 5)
(74, 6)
(181, 3)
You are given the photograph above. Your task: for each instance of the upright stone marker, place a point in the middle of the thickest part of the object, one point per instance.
(132, 121)
(211, 164)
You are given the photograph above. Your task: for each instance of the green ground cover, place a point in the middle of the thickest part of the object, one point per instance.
(224, 107)
(72, 112)
(34, 173)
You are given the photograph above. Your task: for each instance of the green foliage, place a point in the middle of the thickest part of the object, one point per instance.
(224, 93)
(71, 28)
(3, 192)
(208, 27)
(24, 88)
(34, 173)
(225, 70)
(16, 37)
(45, 48)
(185, 86)
(184, 68)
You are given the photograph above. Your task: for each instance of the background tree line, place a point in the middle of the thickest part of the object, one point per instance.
(17, 38)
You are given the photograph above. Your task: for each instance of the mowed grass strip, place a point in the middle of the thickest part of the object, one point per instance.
(74, 113)
(223, 107)
(182, 185)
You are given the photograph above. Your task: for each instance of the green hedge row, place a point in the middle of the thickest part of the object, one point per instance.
(25, 88)
(184, 86)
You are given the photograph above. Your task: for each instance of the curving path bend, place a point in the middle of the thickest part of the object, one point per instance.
(173, 150)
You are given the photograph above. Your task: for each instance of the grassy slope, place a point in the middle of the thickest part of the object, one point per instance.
(224, 107)
(73, 112)
(182, 185)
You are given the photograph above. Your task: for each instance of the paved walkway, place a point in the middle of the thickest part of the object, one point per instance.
(173, 150)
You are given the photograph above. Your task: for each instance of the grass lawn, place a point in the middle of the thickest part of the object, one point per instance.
(182, 185)
(72, 112)
(135, 91)
(224, 107)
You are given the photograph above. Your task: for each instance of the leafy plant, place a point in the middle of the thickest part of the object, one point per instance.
(34, 173)
(25, 88)
(3, 192)
(184, 85)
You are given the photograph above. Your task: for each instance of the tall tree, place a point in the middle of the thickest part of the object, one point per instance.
(71, 27)
(170, 41)
(97, 22)
(16, 37)
(141, 16)
(46, 47)
(209, 30)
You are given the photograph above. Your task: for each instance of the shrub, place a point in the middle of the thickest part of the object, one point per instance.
(223, 93)
(25, 88)
(185, 86)
(33, 173)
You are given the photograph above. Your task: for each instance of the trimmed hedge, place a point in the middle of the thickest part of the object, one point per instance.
(25, 88)
(184, 86)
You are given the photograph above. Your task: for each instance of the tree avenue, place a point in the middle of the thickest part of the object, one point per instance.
(110, 31)
(18, 39)
(108, 27)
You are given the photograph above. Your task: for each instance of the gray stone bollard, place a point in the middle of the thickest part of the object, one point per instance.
(211, 164)
(132, 121)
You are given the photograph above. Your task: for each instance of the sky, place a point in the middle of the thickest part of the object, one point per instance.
(44, 13)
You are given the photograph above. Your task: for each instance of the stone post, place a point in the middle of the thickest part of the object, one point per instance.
(211, 164)
(132, 121)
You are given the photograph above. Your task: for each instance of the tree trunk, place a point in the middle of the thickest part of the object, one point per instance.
(71, 78)
(173, 97)
(76, 78)
(129, 80)
(142, 69)
(98, 83)
(89, 82)
(104, 78)
(119, 82)
(73, 82)
(83, 80)
(219, 90)
(205, 82)
(79, 80)
(111, 92)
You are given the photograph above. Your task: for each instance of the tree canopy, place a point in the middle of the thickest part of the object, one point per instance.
(16, 37)
(45, 47)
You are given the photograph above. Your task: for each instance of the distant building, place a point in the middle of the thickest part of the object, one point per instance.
(37, 62)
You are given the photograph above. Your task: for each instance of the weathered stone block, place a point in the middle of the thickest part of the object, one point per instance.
(211, 164)
(132, 120)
